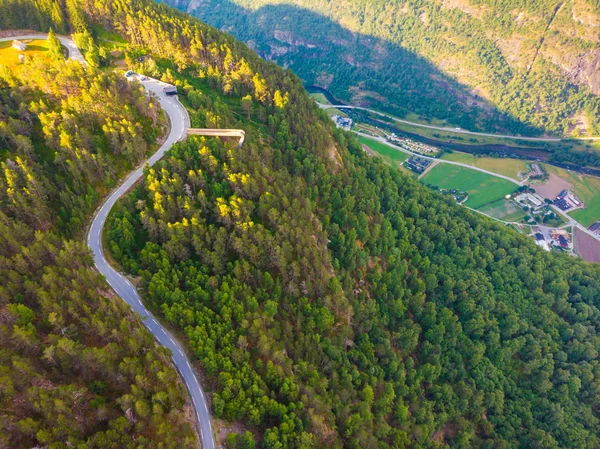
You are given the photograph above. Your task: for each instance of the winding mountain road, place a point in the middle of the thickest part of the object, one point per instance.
(180, 124)
(121, 285)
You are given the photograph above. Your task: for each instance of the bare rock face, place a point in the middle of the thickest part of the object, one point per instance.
(587, 71)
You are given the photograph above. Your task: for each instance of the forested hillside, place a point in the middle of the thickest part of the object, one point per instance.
(77, 369)
(331, 300)
(512, 65)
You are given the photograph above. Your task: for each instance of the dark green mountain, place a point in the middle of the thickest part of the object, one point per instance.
(331, 301)
(510, 65)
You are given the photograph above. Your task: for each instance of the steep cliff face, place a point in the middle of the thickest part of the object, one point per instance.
(527, 60)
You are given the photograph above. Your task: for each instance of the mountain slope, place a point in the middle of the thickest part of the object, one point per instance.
(76, 367)
(525, 67)
(332, 301)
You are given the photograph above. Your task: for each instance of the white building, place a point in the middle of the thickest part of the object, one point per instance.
(18, 45)
(537, 202)
(543, 244)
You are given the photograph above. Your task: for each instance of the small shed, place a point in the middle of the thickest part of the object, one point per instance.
(18, 45)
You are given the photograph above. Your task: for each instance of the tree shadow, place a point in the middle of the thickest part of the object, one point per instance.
(354, 67)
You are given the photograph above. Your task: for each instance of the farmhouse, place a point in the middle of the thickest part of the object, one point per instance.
(342, 122)
(563, 241)
(18, 45)
(595, 228)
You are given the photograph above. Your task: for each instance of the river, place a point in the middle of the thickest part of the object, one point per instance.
(493, 150)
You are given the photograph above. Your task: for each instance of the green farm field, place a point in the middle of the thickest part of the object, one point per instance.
(587, 188)
(384, 150)
(503, 210)
(392, 156)
(502, 166)
(481, 187)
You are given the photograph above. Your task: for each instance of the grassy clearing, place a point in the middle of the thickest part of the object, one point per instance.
(503, 210)
(481, 187)
(331, 112)
(416, 118)
(502, 166)
(451, 135)
(10, 56)
(320, 98)
(384, 150)
(587, 188)
(390, 155)
(103, 34)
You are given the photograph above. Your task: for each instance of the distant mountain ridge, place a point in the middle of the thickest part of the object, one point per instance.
(528, 67)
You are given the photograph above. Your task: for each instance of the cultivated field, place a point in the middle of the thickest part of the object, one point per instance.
(552, 187)
(503, 210)
(481, 187)
(384, 150)
(587, 246)
(502, 166)
(10, 56)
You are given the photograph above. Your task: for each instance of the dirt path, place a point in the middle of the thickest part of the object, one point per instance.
(433, 164)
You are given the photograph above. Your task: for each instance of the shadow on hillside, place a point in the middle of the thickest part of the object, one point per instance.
(354, 66)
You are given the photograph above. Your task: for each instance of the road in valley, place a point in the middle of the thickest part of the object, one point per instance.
(448, 129)
(180, 123)
(569, 219)
(460, 164)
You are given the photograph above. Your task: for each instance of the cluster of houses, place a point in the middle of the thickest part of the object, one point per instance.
(342, 122)
(557, 238)
(567, 200)
(411, 145)
(417, 164)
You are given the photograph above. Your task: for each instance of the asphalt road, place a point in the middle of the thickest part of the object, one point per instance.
(448, 129)
(74, 52)
(179, 124)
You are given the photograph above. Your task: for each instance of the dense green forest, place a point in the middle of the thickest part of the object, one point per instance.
(77, 369)
(508, 65)
(331, 300)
